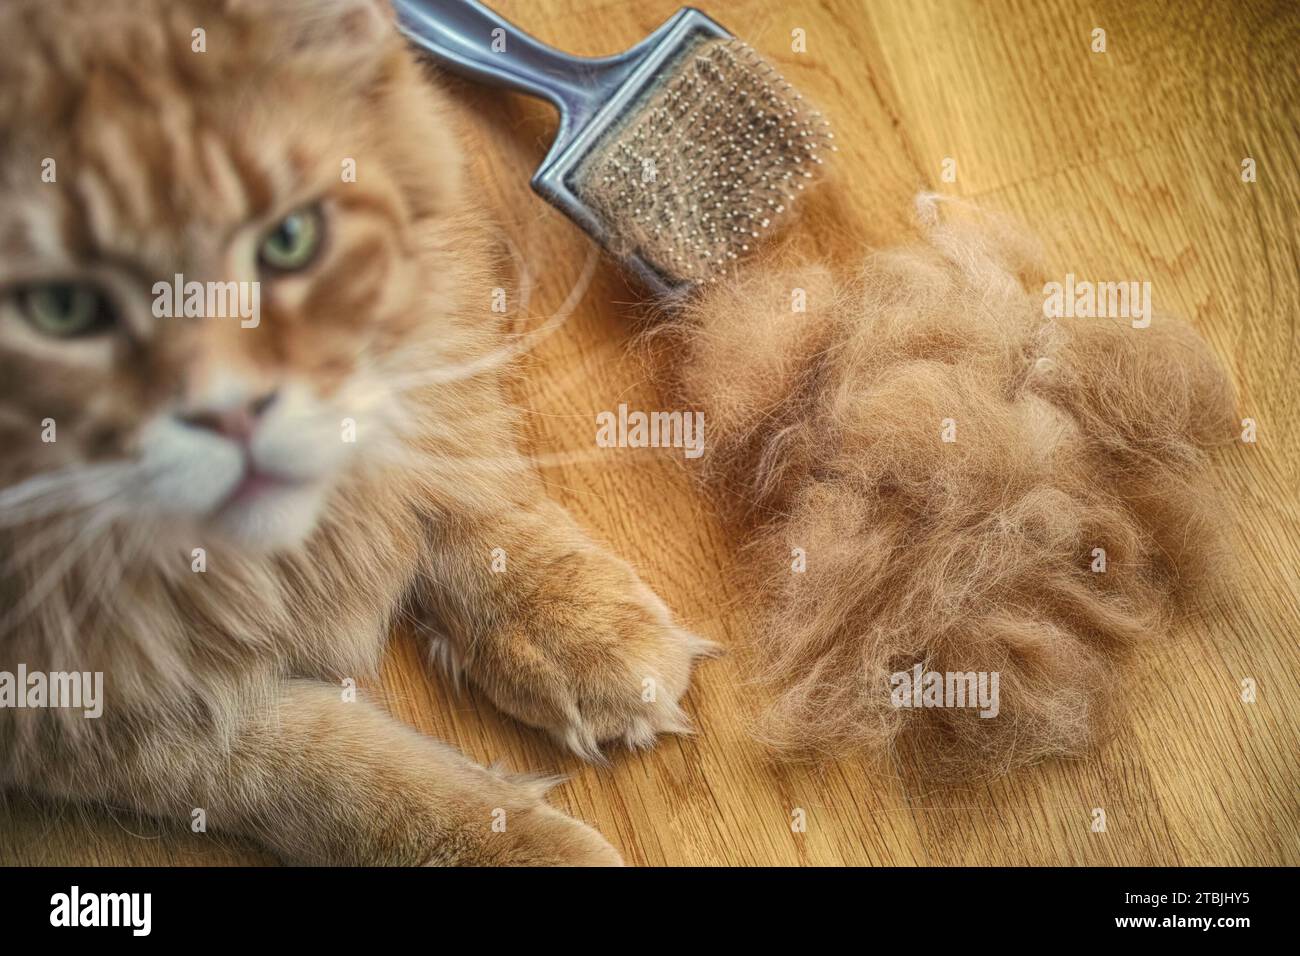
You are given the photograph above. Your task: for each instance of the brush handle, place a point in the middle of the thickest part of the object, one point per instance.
(472, 40)
(591, 93)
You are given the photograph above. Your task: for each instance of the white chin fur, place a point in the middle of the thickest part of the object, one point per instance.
(190, 473)
(185, 471)
(276, 519)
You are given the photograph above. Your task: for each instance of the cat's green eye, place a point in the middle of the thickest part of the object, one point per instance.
(294, 242)
(65, 309)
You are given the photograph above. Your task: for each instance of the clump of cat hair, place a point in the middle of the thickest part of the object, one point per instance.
(1072, 445)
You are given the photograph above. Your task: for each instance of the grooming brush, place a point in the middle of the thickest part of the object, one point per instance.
(676, 156)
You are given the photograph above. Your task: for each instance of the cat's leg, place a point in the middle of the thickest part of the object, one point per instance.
(556, 630)
(323, 781)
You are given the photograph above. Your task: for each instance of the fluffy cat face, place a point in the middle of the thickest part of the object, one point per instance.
(260, 159)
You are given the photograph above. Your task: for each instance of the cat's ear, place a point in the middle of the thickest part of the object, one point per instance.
(357, 30)
(360, 25)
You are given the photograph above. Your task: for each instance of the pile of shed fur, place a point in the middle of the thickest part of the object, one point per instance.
(825, 433)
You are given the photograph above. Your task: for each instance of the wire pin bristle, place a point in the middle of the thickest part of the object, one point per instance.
(707, 165)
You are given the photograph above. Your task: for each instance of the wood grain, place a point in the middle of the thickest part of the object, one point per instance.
(1128, 163)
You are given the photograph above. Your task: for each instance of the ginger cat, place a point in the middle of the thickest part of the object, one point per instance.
(347, 456)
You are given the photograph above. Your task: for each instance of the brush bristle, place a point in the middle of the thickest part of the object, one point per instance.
(706, 166)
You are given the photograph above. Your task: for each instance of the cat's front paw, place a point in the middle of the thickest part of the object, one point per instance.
(538, 836)
(548, 837)
(505, 820)
(593, 657)
(628, 680)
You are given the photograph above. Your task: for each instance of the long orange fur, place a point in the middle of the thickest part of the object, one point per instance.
(825, 432)
(224, 689)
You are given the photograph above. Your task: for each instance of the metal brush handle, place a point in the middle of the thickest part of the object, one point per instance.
(461, 35)
(593, 94)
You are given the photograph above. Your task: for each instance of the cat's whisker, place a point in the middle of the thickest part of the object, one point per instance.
(35, 545)
(74, 488)
(86, 535)
(119, 556)
(38, 485)
(379, 385)
(525, 276)
(522, 344)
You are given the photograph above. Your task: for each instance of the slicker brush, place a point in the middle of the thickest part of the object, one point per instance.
(677, 156)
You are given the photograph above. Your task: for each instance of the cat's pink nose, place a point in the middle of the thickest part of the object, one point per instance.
(237, 423)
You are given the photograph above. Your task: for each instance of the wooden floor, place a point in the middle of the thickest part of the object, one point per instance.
(1129, 163)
